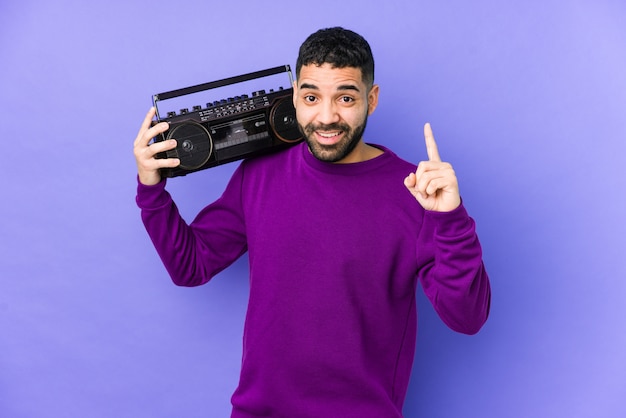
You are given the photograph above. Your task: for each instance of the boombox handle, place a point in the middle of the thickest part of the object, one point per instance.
(221, 83)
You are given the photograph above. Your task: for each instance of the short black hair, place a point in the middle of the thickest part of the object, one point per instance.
(340, 48)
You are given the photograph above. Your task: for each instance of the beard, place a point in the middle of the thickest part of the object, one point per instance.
(335, 152)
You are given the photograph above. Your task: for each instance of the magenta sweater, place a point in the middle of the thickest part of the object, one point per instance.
(336, 252)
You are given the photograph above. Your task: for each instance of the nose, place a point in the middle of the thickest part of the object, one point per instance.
(328, 113)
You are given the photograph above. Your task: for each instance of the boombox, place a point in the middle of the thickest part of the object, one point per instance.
(228, 129)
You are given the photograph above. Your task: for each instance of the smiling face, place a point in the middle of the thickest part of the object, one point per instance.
(332, 106)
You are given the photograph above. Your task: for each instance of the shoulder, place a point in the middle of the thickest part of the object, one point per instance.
(273, 163)
(393, 161)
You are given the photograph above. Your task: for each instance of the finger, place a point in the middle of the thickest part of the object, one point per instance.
(147, 131)
(145, 138)
(425, 166)
(148, 119)
(410, 181)
(145, 125)
(423, 184)
(431, 145)
(159, 147)
(147, 158)
(156, 163)
(434, 185)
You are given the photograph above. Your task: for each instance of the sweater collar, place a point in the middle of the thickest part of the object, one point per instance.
(345, 169)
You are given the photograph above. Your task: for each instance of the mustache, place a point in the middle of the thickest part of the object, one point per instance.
(310, 128)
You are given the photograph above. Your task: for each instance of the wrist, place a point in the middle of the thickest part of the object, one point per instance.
(149, 178)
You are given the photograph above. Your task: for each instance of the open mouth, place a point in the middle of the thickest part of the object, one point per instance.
(329, 134)
(328, 137)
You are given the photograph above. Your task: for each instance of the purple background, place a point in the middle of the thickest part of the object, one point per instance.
(527, 100)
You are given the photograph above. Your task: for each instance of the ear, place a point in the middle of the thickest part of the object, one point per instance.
(372, 99)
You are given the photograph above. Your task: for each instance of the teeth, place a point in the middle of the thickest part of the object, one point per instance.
(328, 135)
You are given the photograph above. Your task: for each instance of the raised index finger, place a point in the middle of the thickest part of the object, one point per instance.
(431, 145)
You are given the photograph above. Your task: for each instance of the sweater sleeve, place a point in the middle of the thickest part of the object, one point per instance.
(193, 253)
(453, 274)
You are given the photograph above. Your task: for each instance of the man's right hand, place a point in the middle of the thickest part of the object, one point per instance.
(147, 165)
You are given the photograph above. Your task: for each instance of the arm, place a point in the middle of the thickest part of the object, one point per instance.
(194, 253)
(454, 278)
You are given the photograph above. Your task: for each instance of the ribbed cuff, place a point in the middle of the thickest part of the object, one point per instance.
(152, 197)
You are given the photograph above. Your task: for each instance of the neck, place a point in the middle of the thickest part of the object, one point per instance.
(362, 152)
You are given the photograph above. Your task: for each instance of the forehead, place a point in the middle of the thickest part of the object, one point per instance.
(326, 76)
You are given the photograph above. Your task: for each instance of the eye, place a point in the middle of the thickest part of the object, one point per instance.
(346, 99)
(310, 98)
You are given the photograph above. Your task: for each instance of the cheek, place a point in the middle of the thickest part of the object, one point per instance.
(303, 116)
(356, 117)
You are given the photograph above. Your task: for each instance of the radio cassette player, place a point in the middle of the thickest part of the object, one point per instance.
(228, 129)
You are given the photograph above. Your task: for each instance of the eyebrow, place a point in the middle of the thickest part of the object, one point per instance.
(339, 88)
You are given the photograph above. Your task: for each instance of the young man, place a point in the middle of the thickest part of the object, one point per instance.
(338, 233)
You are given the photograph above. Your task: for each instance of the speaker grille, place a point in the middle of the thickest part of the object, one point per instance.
(194, 144)
(283, 121)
